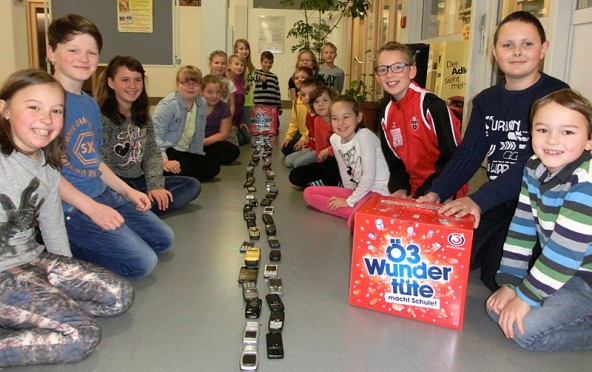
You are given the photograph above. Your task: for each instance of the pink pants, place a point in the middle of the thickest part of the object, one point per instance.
(318, 197)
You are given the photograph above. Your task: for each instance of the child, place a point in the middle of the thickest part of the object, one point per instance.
(548, 307)
(499, 128)
(419, 132)
(243, 49)
(218, 67)
(129, 144)
(238, 73)
(267, 86)
(218, 123)
(362, 166)
(47, 298)
(179, 125)
(306, 155)
(108, 222)
(331, 74)
(306, 58)
(324, 171)
(297, 133)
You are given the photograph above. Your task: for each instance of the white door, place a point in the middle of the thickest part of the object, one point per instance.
(581, 53)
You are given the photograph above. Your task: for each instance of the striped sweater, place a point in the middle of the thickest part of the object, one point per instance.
(559, 209)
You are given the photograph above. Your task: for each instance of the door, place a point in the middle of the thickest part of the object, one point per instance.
(581, 53)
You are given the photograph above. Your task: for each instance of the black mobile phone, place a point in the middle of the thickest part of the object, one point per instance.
(267, 219)
(270, 229)
(266, 202)
(275, 345)
(253, 308)
(274, 243)
(275, 302)
(276, 322)
(248, 274)
(275, 254)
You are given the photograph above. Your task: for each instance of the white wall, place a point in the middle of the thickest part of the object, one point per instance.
(14, 35)
(285, 63)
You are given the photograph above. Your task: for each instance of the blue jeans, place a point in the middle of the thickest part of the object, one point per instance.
(184, 190)
(131, 250)
(563, 322)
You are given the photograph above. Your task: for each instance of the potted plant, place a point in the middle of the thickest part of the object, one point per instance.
(312, 35)
(371, 102)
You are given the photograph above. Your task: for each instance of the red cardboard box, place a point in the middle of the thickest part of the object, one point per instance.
(410, 261)
(264, 120)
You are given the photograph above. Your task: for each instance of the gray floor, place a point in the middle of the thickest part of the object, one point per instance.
(189, 313)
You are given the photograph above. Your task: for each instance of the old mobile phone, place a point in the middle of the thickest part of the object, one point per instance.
(274, 254)
(275, 345)
(274, 285)
(251, 333)
(268, 210)
(254, 233)
(246, 245)
(250, 291)
(266, 202)
(252, 256)
(270, 271)
(276, 322)
(253, 308)
(267, 218)
(248, 274)
(249, 359)
(275, 302)
(270, 229)
(274, 243)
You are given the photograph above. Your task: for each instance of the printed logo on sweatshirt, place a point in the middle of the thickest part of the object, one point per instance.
(397, 137)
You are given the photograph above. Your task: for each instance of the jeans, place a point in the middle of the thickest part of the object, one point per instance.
(131, 250)
(244, 136)
(184, 190)
(563, 322)
(47, 305)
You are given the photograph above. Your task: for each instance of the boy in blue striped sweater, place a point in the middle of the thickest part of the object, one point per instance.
(549, 307)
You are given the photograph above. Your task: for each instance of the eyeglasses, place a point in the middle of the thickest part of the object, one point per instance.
(395, 68)
(189, 84)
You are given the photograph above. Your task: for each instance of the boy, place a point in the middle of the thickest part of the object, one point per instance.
(103, 226)
(331, 74)
(267, 87)
(307, 154)
(549, 306)
(499, 128)
(418, 132)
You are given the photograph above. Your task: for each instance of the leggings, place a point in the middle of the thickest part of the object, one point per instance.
(319, 197)
(47, 305)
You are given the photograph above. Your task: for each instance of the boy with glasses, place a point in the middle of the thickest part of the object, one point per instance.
(419, 133)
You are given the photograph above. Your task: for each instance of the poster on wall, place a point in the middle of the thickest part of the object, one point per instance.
(134, 16)
(272, 34)
(452, 80)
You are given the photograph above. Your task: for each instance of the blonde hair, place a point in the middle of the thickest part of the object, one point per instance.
(189, 72)
(249, 65)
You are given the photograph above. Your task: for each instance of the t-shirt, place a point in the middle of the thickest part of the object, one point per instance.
(220, 111)
(82, 138)
(30, 198)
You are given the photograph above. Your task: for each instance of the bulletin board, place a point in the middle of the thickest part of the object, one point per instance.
(155, 48)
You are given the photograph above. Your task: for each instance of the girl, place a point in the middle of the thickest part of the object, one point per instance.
(325, 170)
(47, 298)
(306, 58)
(297, 134)
(238, 74)
(129, 144)
(361, 164)
(179, 125)
(243, 49)
(519, 44)
(218, 63)
(218, 123)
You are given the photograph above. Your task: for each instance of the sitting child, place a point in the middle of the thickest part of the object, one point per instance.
(363, 170)
(549, 307)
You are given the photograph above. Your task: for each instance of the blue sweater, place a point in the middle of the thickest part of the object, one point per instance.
(499, 128)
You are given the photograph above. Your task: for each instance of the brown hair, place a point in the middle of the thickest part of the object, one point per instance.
(355, 105)
(245, 42)
(14, 83)
(569, 99)
(315, 63)
(398, 47)
(189, 72)
(63, 29)
(319, 92)
(524, 17)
